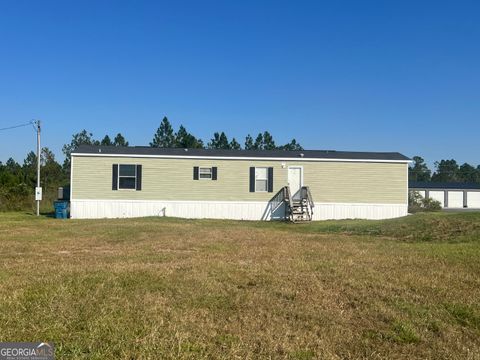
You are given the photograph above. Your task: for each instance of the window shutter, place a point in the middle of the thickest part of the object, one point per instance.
(214, 173)
(139, 177)
(252, 179)
(270, 179)
(115, 177)
(195, 173)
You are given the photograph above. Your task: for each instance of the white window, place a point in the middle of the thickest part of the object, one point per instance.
(127, 177)
(261, 179)
(205, 173)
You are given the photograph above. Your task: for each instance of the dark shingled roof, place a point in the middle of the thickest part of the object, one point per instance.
(220, 153)
(442, 185)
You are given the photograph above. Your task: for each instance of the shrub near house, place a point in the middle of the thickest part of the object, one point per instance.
(417, 203)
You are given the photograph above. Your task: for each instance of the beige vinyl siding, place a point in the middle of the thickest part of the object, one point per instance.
(172, 179)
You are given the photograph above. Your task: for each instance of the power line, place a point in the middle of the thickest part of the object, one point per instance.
(16, 126)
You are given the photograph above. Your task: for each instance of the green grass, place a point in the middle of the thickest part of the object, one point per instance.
(434, 227)
(186, 289)
(465, 315)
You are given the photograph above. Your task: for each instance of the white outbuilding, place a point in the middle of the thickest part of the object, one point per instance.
(450, 195)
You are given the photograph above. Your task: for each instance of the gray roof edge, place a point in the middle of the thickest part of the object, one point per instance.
(443, 185)
(298, 154)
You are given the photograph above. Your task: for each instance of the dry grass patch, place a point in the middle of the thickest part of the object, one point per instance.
(170, 288)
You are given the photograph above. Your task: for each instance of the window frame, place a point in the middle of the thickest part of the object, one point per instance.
(119, 176)
(200, 173)
(265, 179)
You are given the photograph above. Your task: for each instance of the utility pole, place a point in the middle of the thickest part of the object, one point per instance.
(37, 190)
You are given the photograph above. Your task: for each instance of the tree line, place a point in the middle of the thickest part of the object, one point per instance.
(17, 181)
(166, 137)
(445, 171)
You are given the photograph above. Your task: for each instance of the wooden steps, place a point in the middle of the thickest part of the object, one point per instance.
(296, 210)
(301, 209)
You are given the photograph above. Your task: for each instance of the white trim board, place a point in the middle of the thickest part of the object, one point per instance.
(238, 158)
(226, 202)
(71, 177)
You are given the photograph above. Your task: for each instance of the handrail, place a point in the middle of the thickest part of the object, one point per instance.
(309, 196)
(306, 196)
(288, 198)
(288, 194)
(278, 199)
(284, 195)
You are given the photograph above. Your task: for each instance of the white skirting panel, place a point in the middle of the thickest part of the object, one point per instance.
(338, 211)
(246, 210)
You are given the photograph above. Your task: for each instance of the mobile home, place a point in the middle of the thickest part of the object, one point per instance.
(117, 182)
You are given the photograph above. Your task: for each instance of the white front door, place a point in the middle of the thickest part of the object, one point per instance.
(295, 180)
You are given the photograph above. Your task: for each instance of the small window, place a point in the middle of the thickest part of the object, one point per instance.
(127, 177)
(205, 173)
(261, 179)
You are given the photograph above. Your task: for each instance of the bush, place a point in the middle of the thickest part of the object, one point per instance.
(430, 204)
(15, 197)
(417, 203)
(21, 197)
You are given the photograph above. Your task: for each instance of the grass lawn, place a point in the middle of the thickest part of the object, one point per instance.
(169, 288)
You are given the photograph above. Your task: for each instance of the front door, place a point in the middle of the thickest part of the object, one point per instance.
(295, 180)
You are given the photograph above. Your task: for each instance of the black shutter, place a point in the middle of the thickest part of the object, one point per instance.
(195, 173)
(270, 179)
(214, 173)
(115, 177)
(139, 177)
(252, 179)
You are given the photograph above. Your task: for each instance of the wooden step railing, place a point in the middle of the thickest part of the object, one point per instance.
(288, 203)
(302, 208)
(307, 199)
(278, 199)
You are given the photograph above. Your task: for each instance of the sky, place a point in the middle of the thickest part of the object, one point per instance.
(345, 75)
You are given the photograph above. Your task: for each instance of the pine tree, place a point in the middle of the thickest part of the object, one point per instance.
(446, 171)
(164, 137)
(234, 145)
(13, 167)
(268, 143)
(258, 144)
(184, 139)
(29, 169)
(81, 138)
(51, 174)
(219, 141)
(120, 140)
(248, 142)
(468, 174)
(223, 142)
(214, 142)
(291, 146)
(419, 170)
(106, 141)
